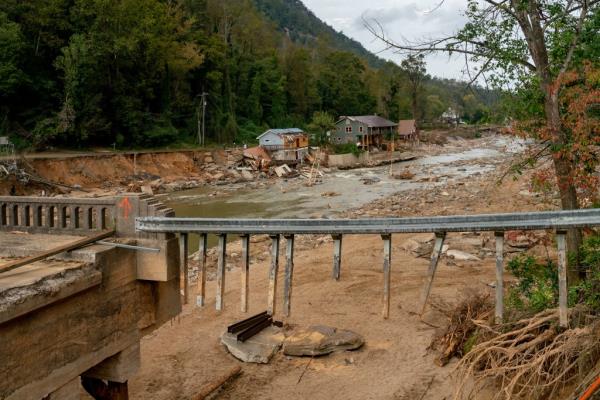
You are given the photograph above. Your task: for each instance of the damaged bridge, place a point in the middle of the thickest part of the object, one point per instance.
(82, 280)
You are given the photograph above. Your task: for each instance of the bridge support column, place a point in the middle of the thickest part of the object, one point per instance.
(337, 256)
(221, 271)
(435, 258)
(499, 277)
(561, 240)
(245, 278)
(183, 255)
(273, 271)
(387, 264)
(202, 247)
(289, 274)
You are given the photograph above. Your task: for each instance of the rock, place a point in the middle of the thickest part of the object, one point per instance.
(208, 160)
(320, 340)
(462, 256)
(147, 189)
(247, 175)
(258, 349)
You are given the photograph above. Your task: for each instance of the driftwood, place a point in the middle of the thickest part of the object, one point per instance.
(217, 383)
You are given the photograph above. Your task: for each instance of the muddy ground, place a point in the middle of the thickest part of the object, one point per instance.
(182, 358)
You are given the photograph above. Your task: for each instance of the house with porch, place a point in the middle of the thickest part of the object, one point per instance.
(407, 130)
(289, 145)
(365, 131)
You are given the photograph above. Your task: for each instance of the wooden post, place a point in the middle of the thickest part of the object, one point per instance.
(273, 275)
(562, 278)
(499, 277)
(183, 255)
(387, 263)
(202, 247)
(245, 272)
(289, 274)
(435, 257)
(221, 271)
(337, 256)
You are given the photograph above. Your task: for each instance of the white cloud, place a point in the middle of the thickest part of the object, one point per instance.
(400, 19)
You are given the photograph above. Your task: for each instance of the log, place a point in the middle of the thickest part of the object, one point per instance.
(57, 250)
(217, 383)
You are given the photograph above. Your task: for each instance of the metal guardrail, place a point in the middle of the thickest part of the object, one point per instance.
(560, 221)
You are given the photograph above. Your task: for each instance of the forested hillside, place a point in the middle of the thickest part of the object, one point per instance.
(78, 73)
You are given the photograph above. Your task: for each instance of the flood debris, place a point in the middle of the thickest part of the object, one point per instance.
(320, 340)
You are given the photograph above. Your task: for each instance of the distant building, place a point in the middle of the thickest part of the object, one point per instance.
(363, 130)
(407, 130)
(450, 116)
(288, 145)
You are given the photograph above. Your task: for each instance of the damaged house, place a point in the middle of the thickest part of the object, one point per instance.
(288, 146)
(365, 130)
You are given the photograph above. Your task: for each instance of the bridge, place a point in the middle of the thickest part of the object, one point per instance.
(92, 276)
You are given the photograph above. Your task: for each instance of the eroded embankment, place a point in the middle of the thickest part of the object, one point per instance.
(106, 173)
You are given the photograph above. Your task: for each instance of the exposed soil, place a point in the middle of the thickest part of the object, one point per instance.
(183, 357)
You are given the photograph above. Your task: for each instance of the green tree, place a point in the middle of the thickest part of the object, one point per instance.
(414, 65)
(322, 122)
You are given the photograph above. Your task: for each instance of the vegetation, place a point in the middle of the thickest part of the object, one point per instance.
(80, 73)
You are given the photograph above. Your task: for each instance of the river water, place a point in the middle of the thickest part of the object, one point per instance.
(293, 199)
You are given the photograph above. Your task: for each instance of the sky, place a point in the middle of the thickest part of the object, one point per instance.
(408, 19)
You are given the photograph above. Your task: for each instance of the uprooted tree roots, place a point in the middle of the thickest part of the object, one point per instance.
(532, 358)
(459, 334)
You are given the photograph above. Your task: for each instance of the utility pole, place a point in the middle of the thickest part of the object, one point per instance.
(201, 124)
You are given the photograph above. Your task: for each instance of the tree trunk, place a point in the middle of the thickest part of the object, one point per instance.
(564, 179)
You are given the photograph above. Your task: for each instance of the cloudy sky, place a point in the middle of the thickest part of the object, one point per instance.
(400, 18)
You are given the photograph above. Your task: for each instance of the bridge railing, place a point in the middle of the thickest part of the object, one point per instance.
(51, 214)
(560, 221)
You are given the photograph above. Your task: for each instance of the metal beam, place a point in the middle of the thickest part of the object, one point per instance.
(222, 262)
(245, 278)
(273, 271)
(435, 258)
(289, 275)
(202, 248)
(560, 220)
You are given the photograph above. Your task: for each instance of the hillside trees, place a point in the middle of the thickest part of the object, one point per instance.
(80, 73)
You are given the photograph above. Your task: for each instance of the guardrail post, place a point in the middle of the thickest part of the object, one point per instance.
(337, 256)
(272, 301)
(289, 274)
(202, 247)
(499, 276)
(245, 271)
(183, 255)
(435, 257)
(562, 278)
(221, 271)
(387, 263)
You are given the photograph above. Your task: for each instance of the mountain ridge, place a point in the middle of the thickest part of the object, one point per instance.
(295, 19)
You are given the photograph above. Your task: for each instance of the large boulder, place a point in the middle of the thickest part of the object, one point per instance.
(320, 340)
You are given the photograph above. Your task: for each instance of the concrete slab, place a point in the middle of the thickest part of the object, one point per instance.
(258, 349)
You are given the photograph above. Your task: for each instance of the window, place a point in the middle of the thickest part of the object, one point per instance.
(348, 129)
(360, 129)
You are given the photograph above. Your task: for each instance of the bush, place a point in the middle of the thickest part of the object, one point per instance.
(537, 285)
(588, 290)
(347, 148)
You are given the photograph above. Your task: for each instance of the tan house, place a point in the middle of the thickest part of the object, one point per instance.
(407, 130)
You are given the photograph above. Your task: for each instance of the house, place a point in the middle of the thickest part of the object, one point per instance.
(407, 130)
(364, 130)
(450, 116)
(288, 145)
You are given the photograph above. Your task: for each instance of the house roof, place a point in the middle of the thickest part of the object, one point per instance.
(372, 121)
(406, 127)
(282, 132)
